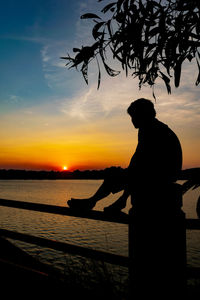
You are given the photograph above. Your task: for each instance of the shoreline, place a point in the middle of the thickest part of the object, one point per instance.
(54, 175)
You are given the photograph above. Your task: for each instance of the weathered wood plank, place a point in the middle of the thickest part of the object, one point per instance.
(61, 210)
(121, 218)
(66, 247)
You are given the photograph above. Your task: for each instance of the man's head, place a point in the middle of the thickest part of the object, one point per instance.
(142, 112)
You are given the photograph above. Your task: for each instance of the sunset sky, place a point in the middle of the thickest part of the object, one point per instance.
(49, 117)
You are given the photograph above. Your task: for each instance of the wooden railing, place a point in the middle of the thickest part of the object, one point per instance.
(191, 224)
(61, 246)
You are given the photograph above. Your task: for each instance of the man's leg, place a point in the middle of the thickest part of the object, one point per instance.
(119, 204)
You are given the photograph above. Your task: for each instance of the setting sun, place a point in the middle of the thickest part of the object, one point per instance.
(65, 168)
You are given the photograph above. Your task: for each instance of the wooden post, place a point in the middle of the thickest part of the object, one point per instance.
(157, 254)
(180, 257)
(131, 254)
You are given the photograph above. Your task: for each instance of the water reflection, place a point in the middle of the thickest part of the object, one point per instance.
(89, 233)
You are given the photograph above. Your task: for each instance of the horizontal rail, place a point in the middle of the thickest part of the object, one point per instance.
(35, 274)
(66, 211)
(77, 250)
(67, 248)
(121, 218)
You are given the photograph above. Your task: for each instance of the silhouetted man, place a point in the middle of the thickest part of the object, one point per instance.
(153, 168)
(158, 234)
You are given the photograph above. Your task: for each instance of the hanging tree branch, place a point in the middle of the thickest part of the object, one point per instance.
(149, 38)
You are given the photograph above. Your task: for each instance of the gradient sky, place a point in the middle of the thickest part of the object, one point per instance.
(49, 117)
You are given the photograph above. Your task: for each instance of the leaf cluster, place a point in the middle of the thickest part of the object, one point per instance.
(150, 38)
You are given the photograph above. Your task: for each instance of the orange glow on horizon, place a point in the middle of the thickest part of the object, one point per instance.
(82, 146)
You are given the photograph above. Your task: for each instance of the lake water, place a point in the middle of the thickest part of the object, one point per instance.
(110, 237)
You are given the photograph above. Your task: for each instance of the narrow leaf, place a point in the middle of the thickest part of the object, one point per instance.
(84, 71)
(110, 71)
(167, 82)
(95, 31)
(154, 31)
(99, 79)
(177, 73)
(198, 77)
(108, 7)
(154, 94)
(76, 50)
(90, 16)
(109, 28)
(119, 4)
(99, 75)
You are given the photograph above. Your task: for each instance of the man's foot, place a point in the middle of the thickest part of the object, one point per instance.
(83, 204)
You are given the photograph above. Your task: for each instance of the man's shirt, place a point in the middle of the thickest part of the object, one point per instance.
(158, 156)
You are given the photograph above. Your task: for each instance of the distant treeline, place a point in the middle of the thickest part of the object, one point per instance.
(77, 174)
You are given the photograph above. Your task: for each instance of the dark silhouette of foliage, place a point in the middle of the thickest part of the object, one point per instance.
(150, 39)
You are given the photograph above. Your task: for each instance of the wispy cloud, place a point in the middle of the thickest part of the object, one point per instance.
(14, 99)
(115, 94)
(52, 66)
(112, 98)
(34, 39)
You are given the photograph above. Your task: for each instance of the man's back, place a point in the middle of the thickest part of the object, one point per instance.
(158, 156)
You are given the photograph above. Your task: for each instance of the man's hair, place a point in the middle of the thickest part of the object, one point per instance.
(142, 106)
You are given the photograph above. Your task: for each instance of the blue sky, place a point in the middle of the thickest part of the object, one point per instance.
(28, 30)
(44, 106)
